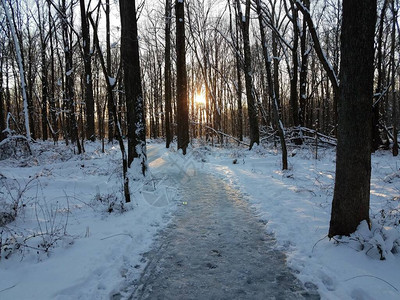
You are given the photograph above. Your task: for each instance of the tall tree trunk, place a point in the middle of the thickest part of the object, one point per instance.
(251, 103)
(294, 106)
(45, 83)
(69, 79)
(108, 60)
(20, 67)
(88, 81)
(271, 87)
(110, 86)
(239, 87)
(395, 149)
(30, 80)
(181, 79)
(376, 139)
(167, 74)
(303, 69)
(2, 107)
(350, 203)
(332, 75)
(52, 100)
(133, 85)
(276, 60)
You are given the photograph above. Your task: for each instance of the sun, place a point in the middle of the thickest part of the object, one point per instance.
(200, 99)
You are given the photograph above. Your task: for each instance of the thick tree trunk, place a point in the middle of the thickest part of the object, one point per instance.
(251, 102)
(181, 81)
(167, 74)
(133, 85)
(353, 159)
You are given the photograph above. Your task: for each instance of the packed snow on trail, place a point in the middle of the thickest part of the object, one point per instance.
(74, 238)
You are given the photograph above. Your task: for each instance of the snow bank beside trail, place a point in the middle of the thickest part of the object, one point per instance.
(296, 206)
(64, 243)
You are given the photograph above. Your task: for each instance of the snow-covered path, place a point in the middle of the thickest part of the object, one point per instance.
(216, 248)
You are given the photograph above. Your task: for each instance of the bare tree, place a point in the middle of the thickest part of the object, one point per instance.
(303, 69)
(394, 9)
(238, 61)
(133, 88)
(244, 20)
(20, 67)
(44, 67)
(2, 106)
(350, 203)
(111, 83)
(380, 86)
(69, 94)
(181, 79)
(88, 80)
(167, 74)
(271, 87)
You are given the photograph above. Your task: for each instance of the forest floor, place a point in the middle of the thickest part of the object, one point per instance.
(222, 217)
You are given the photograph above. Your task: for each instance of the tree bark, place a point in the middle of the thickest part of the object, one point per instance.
(239, 89)
(321, 55)
(30, 79)
(376, 139)
(52, 100)
(45, 83)
(69, 101)
(181, 79)
(353, 159)
(108, 62)
(2, 108)
(133, 85)
(251, 103)
(395, 149)
(303, 70)
(294, 106)
(271, 88)
(167, 74)
(88, 81)
(110, 86)
(21, 69)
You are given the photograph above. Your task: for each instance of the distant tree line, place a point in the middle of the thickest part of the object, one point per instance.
(68, 98)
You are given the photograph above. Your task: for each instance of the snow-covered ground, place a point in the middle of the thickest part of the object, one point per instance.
(297, 203)
(65, 244)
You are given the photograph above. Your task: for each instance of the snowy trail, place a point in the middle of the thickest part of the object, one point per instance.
(215, 248)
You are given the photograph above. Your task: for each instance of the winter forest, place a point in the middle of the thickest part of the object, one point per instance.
(199, 149)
